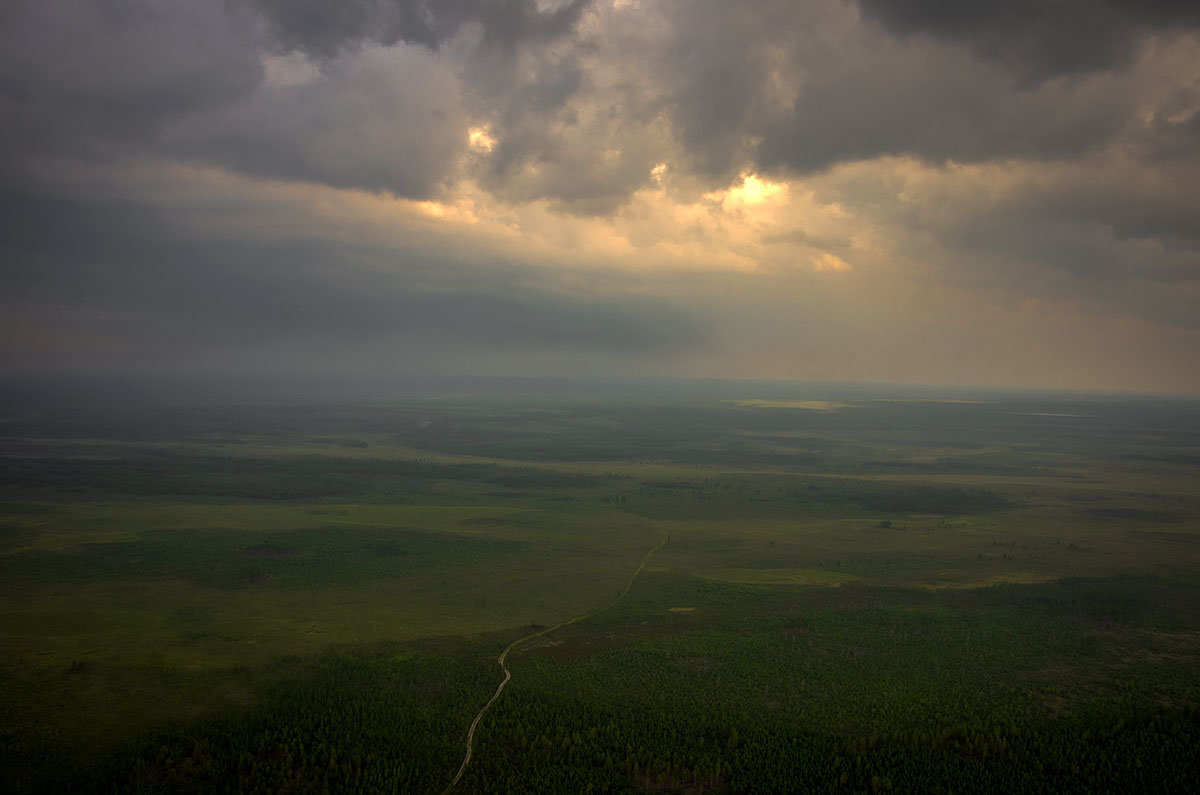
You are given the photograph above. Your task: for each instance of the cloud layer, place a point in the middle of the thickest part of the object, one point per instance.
(916, 190)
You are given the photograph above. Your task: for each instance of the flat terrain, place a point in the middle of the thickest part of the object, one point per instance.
(860, 590)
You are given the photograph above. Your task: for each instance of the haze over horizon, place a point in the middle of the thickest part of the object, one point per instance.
(908, 191)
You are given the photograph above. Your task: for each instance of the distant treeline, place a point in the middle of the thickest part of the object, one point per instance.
(284, 478)
(219, 557)
(662, 499)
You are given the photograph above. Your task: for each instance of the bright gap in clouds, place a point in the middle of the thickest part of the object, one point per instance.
(755, 190)
(480, 139)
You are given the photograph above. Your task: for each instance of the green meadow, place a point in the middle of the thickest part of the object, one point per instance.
(857, 592)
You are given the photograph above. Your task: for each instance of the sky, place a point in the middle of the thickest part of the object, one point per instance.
(1002, 192)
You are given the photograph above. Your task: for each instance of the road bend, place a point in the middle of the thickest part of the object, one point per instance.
(504, 655)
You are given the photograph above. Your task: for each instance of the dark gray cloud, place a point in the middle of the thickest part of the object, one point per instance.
(326, 29)
(104, 80)
(1158, 205)
(938, 108)
(383, 120)
(718, 69)
(1039, 39)
(1174, 131)
(136, 278)
(85, 78)
(769, 85)
(559, 138)
(799, 88)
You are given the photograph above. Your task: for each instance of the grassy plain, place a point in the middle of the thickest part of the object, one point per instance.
(859, 591)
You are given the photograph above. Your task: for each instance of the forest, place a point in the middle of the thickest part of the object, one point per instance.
(742, 587)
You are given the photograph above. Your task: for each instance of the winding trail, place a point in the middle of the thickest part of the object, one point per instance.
(504, 654)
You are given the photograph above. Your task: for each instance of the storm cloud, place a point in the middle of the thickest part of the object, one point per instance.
(1040, 39)
(132, 276)
(325, 29)
(679, 186)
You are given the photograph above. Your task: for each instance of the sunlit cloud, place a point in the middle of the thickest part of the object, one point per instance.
(824, 261)
(749, 192)
(755, 190)
(480, 139)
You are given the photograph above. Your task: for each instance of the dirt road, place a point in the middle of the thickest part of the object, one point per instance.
(538, 634)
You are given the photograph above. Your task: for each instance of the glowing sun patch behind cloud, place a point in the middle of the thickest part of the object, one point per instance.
(480, 139)
(755, 190)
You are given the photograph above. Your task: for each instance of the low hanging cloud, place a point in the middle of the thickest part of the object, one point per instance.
(138, 281)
